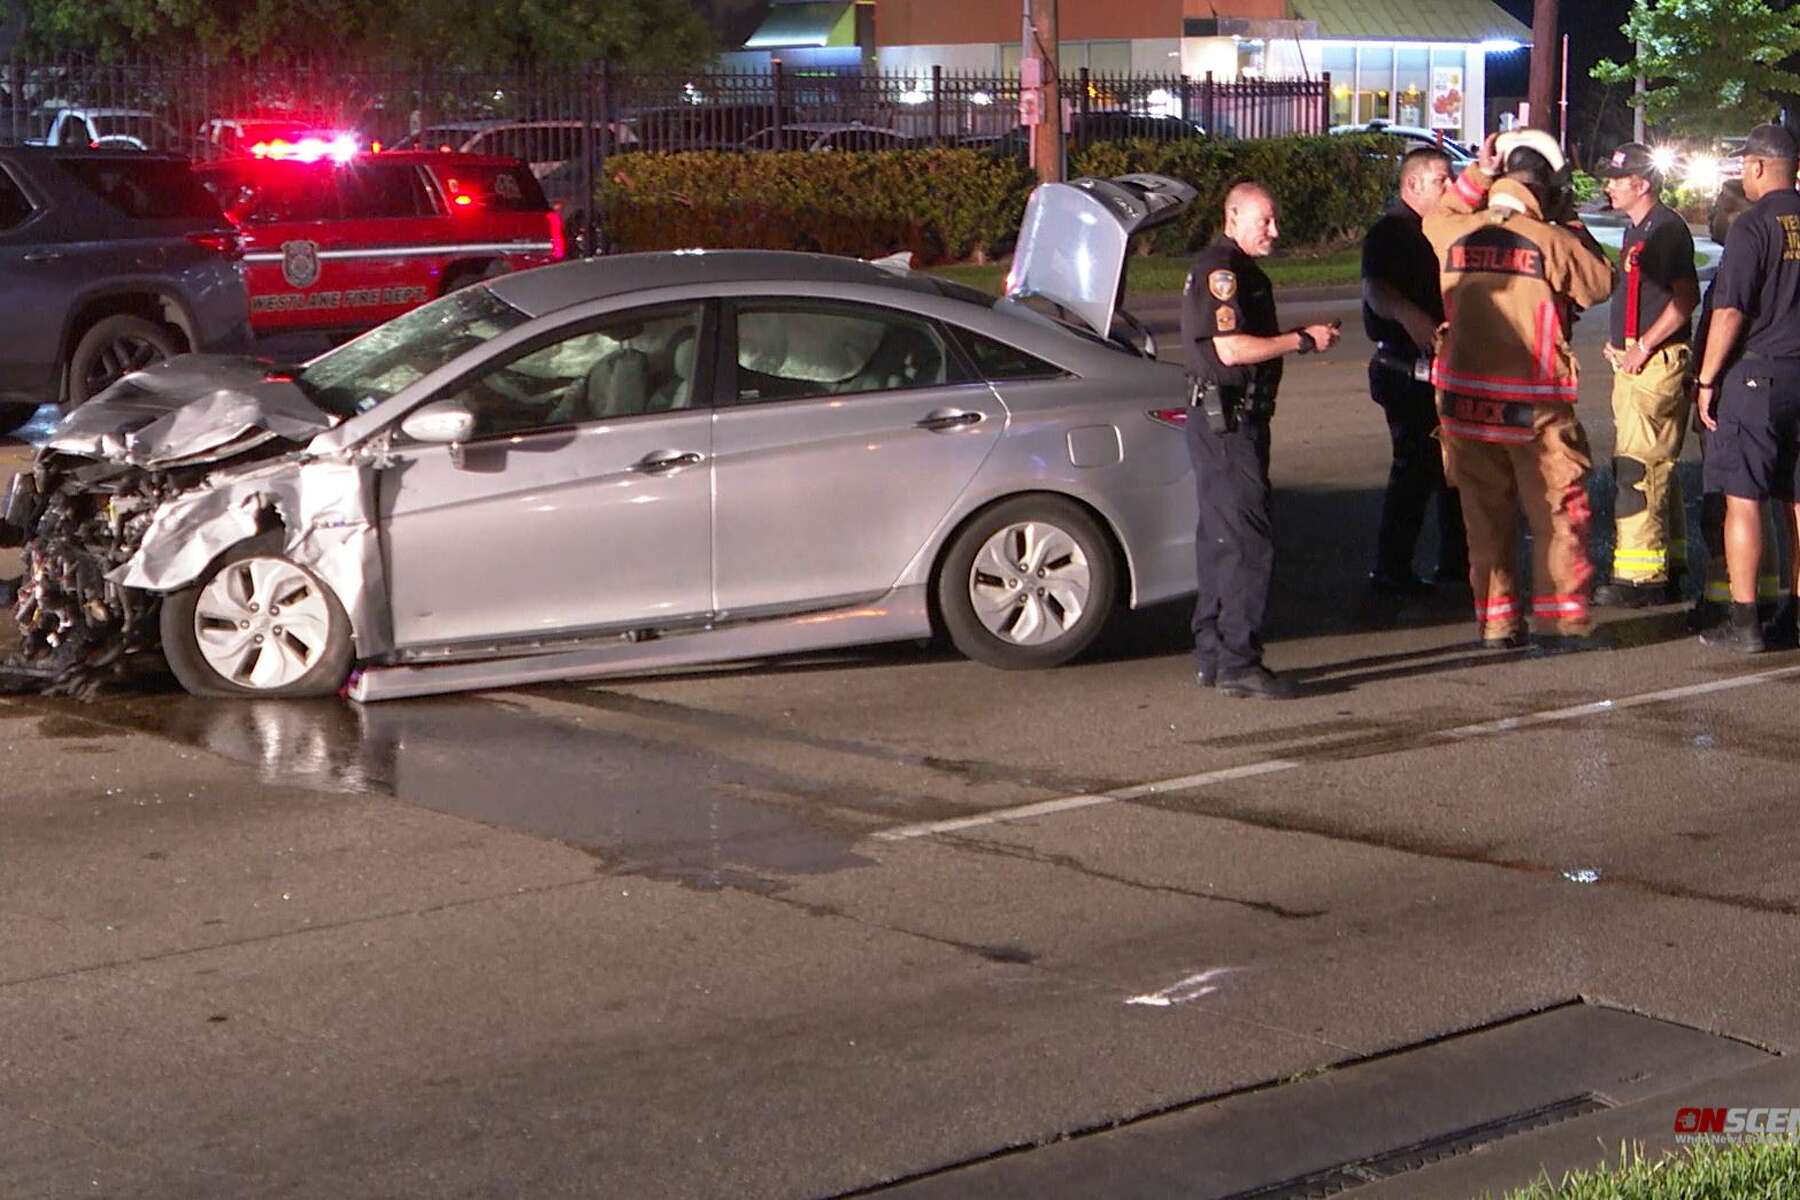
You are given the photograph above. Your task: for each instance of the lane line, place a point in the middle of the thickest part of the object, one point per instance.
(1272, 766)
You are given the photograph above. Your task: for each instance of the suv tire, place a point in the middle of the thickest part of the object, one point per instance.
(113, 347)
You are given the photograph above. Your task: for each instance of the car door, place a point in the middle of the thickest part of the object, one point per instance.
(583, 501)
(844, 434)
(37, 288)
(389, 217)
(288, 216)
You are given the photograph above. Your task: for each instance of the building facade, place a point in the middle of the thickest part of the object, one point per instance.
(1411, 62)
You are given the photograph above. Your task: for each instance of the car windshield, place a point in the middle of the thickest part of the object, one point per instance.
(361, 374)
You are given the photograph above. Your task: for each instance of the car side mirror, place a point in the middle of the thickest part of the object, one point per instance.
(441, 422)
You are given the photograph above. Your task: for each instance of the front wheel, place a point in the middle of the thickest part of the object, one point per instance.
(1029, 583)
(257, 624)
(113, 348)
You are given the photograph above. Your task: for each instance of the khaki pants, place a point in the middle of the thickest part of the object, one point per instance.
(1650, 413)
(1547, 476)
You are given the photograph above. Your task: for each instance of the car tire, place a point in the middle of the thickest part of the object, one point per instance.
(1039, 616)
(14, 415)
(270, 655)
(113, 347)
(462, 277)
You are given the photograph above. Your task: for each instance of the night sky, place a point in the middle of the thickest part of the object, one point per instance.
(1593, 29)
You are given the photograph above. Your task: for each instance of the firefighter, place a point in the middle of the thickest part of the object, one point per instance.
(1515, 263)
(1648, 350)
(1751, 406)
(1234, 346)
(1402, 309)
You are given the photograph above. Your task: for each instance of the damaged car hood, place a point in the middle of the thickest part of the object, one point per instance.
(192, 409)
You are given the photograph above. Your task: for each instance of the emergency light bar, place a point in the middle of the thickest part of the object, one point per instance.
(340, 148)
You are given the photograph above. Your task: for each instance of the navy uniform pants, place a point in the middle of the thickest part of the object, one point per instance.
(1234, 544)
(1416, 476)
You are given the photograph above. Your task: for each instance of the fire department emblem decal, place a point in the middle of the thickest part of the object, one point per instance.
(1222, 284)
(300, 263)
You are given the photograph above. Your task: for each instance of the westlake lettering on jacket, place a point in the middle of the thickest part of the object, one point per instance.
(1497, 252)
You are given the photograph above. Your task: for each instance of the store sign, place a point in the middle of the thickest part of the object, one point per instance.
(1446, 97)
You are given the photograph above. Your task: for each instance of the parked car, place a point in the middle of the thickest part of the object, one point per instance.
(617, 465)
(112, 129)
(545, 145)
(831, 135)
(336, 245)
(709, 126)
(1415, 138)
(109, 261)
(1103, 125)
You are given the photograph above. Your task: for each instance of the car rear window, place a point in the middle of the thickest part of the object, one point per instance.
(144, 188)
(493, 186)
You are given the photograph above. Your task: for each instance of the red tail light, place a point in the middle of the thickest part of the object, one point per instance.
(559, 238)
(1174, 418)
(223, 243)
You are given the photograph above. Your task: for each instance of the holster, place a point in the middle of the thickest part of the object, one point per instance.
(1224, 406)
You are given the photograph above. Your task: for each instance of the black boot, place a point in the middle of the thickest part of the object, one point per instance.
(1741, 631)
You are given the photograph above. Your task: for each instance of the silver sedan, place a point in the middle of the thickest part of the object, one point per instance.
(626, 464)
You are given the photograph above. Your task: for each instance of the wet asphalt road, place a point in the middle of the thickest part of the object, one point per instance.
(709, 935)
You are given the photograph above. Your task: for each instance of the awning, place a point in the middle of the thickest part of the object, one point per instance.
(1413, 20)
(811, 23)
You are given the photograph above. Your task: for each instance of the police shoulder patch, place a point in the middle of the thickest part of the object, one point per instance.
(1222, 284)
(1225, 318)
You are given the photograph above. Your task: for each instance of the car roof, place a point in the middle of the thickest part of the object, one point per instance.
(105, 153)
(442, 158)
(548, 289)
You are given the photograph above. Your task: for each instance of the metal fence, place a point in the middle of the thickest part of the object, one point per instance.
(204, 107)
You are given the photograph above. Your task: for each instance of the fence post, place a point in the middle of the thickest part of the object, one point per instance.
(1081, 105)
(937, 104)
(1208, 117)
(1325, 102)
(1187, 99)
(588, 151)
(775, 86)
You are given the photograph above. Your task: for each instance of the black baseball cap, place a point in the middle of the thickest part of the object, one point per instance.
(1631, 158)
(1771, 141)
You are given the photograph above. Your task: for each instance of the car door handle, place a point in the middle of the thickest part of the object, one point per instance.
(947, 418)
(666, 460)
(44, 256)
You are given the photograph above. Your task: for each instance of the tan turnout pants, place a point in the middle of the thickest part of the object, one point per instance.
(1650, 413)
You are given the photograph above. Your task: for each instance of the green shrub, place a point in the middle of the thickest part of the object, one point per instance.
(1585, 187)
(950, 205)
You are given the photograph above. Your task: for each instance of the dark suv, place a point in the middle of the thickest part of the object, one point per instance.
(109, 261)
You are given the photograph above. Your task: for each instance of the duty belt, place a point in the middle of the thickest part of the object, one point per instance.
(1223, 406)
(1402, 361)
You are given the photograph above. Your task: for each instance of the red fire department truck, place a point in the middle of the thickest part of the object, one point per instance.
(335, 239)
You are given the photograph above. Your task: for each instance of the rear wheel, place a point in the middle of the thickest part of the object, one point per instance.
(257, 624)
(1029, 583)
(112, 348)
(462, 277)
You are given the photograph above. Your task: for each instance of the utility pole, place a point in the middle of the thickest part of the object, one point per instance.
(1040, 96)
(1543, 64)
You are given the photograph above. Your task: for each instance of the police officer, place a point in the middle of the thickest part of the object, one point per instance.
(1234, 348)
(1402, 309)
(1648, 350)
(1752, 407)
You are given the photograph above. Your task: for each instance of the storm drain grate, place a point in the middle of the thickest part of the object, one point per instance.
(1341, 1178)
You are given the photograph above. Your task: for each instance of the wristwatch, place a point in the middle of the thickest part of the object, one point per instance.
(1308, 343)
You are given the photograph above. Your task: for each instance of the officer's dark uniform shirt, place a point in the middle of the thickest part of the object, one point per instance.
(1397, 253)
(1665, 256)
(1760, 275)
(1227, 293)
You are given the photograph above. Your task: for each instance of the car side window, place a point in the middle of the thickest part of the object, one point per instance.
(794, 350)
(997, 360)
(14, 207)
(379, 190)
(75, 132)
(628, 365)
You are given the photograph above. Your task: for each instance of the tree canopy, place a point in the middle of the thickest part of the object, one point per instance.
(636, 34)
(1712, 66)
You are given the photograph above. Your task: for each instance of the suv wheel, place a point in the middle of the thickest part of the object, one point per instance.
(113, 348)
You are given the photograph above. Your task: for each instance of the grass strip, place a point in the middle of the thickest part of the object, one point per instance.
(1747, 1171)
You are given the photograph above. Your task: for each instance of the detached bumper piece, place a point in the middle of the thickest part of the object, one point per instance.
(75, 625)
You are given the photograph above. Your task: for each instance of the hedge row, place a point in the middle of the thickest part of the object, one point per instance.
(949, 205)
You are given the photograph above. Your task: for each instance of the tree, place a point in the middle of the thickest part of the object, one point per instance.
(1714, 66)
(640, 34)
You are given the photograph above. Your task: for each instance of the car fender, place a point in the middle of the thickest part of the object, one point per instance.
(326, 508)
(176, 307)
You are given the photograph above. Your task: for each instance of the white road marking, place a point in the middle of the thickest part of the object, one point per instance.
(1186, 783)
(1191, 988)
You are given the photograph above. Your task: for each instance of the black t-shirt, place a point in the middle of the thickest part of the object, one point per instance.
(1396, 252)
(1227, 293)
(1656, 254)
(1760, 275)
